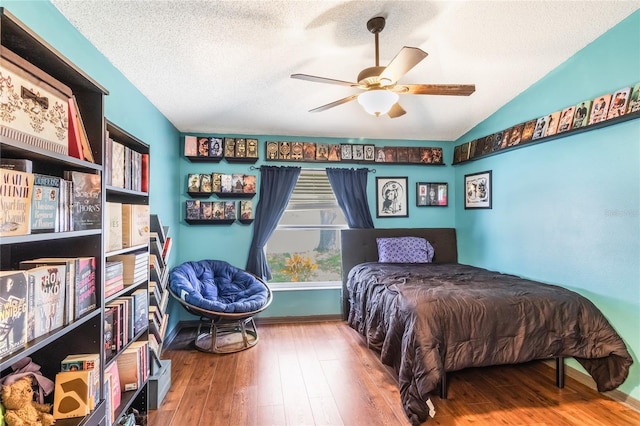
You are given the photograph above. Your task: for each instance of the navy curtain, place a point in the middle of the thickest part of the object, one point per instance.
(276, 186)
(350, 189)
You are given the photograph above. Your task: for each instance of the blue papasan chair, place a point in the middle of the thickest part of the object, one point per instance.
(225, 297)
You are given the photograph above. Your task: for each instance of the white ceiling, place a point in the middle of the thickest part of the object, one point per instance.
(224, 66)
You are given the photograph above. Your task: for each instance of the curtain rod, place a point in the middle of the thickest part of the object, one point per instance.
(318, 170)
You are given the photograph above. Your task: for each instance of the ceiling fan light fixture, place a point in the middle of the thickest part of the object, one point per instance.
(377, 102)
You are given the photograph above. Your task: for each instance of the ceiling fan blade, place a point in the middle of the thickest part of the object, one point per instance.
(396, 111)
(334, 103)
(316, 79)
(435, 89)
(407, 58)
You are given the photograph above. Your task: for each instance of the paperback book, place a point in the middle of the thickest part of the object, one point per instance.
(13, 311)
(45, 203)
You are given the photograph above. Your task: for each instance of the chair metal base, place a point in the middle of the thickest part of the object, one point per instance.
(225, 335)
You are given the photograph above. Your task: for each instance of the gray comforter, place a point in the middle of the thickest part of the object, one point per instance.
(428, 319)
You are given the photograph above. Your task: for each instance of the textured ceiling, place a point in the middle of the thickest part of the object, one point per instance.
(224, 66)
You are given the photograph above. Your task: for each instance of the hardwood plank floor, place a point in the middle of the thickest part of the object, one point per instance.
(323, 374)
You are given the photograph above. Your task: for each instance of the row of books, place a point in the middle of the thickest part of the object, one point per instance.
(218, 210)
(216, 148)
(38, 203)
(125, 167)
(77, 385)
(127, 225)
(586, 113)
(43, 295)
(311, 151)
(124, 318)
(237, 183)
(135, 266)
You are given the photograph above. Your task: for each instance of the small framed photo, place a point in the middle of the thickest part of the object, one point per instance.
(432, 194)
(392, 198)
(477, 190)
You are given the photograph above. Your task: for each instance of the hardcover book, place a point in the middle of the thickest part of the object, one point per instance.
(284, 151)
(237, 182)
(193, 182)
(334, 152)
(46, 306)
(203, 147)
(566, 119)
(206, 185)
(90, 363)
(218, 210)
(599, 109)
(634, 99)
(216, 147)
(129, 369)
(86, 200)
(541, 128)
(241, 148)
(357, 153)
(72, 394)
(380, 155)
(309, 149)
(229, 147)
(116, 396)
(13, 311)
(192, 209)
(297, 151)
(140, 310)
(252, 148)
(16, 192)
(216, 182)
(117, 164)
(390, 154)
(226, 183)
(246, 210)
(19, 164)
(44, 203)
(527, 130)
(436, 155)
(346, 153)
(109, 344)
(515, 136)
(581, 118)
(190, 146)
(619, 103)
(272, 149)
(206, 210)
(85, 292)
(322, 151)
(230, 210)
(553, 120)
(113, 219)
(370, 153)
(135, 224)
(249, 184)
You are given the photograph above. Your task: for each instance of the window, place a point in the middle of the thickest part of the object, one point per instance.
(304, 250)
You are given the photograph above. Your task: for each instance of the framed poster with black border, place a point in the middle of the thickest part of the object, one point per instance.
(392, 198)
(432, 194)
(477, 190)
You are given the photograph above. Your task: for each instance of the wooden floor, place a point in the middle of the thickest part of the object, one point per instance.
(323, 374)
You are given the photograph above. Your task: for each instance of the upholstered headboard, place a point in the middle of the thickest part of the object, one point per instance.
(359, 246)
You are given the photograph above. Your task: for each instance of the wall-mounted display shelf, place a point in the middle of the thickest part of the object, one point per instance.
(352, 153)
(243, 195)
(210, 221)
(602, 111)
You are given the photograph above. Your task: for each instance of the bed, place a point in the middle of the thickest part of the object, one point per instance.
(428, 319)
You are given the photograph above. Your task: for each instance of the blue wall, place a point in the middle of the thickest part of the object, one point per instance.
(568, 211)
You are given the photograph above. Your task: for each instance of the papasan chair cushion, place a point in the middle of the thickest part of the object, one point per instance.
(218, 286)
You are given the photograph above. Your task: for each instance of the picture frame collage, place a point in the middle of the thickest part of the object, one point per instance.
(351, 153)
(580, 116)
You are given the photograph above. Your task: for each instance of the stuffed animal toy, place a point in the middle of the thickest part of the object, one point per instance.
(21, 409)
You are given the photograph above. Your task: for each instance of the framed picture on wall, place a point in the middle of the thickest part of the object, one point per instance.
(392, 198)
(477, 190)
(432, 194)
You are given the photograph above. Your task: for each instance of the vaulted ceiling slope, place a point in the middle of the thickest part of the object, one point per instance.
(224, 66)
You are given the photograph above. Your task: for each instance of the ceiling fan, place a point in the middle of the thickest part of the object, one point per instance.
(380, 84)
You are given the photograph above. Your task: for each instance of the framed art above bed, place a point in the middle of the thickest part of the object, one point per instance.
(392, 198)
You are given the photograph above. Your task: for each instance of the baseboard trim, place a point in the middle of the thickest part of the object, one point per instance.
(588, 381)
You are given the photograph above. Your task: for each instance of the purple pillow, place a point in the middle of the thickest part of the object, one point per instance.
(404, 250)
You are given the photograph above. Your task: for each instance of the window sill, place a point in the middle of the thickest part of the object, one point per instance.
(326, 285)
